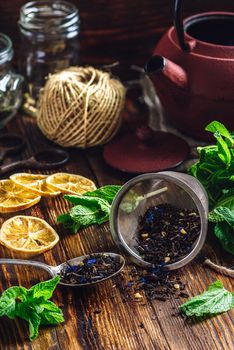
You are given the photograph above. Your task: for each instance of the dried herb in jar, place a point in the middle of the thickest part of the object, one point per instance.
(166, 233)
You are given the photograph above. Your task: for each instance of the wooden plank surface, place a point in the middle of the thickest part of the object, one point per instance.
(118, 325)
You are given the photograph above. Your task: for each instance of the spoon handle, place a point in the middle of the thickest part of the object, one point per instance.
(43, 266)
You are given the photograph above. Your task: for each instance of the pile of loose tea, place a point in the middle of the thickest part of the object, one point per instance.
(158, 284)
(93, 268)
(166, 233)
(154, 283)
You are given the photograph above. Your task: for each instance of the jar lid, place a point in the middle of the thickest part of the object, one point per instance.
(6, 49)
(153, 190)
(49, 18)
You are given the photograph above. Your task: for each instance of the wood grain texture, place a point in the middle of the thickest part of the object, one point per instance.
(118, 325)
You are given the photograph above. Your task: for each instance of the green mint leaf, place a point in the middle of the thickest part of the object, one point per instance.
(8, 300)
(51, 314)
(32, 305)
(84, 216)
(217, 127)
(43, 290)
(64, 218)
(75, 227)
(22, 310)
(224, 152)
(215, 217)
(214, 301)
(90, 202)
(225, 233)
(105, 192)
(34, 322)
(97, 213)
(227, 199)
(91, 210)
(215, 167)
(226, 214)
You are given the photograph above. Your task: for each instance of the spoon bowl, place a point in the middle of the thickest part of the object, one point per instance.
(56, 270)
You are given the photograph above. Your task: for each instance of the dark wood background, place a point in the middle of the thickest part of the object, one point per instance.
(124, 30)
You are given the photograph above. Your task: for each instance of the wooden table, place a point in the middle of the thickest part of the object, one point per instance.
(105, 317)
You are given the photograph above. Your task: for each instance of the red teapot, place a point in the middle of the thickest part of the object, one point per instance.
(192, 69)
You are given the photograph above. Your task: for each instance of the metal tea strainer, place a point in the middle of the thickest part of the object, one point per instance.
(140, 193)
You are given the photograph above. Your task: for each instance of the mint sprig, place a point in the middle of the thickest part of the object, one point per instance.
(215, 170)
(32, 305)
(90, 208)
(215, 300)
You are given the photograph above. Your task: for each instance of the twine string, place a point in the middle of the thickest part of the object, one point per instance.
(81, 107)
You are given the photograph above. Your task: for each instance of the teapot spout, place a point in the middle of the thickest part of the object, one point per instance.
(159, 68)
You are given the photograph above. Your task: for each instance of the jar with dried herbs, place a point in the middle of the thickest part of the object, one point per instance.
(49, 40)
(10, 83)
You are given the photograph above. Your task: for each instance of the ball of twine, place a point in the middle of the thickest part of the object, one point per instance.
(81, 107)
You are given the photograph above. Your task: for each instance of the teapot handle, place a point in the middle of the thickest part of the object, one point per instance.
(179, 25)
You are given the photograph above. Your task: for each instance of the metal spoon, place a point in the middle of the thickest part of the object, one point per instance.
(55, 270)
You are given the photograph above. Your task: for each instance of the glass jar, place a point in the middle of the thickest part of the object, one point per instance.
(49, 31)
(10, 83)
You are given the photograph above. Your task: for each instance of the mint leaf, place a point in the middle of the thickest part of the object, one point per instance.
(90, 211)
(215, 170)
(91, 208)
(226, 214)
(84, 216)
(34, 322)
(225, 233)
(32, 305)
(81, 200)
(218, 128)
(64, 218)
(51, 314)
(7, 300)
(224, 152)
(227, 199)
(105, 192)
(214, 301)
(44, 290)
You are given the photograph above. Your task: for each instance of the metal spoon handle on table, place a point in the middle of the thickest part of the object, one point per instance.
(32, 263)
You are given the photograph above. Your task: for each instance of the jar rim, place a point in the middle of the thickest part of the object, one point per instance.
(49, 18)
(6, 49)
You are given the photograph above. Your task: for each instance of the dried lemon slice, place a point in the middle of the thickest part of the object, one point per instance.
(14, 198)
(70, 183)
(35, 183)
(28, 234)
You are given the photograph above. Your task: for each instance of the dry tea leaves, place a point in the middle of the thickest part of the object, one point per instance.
(166, 233)
(155, 283)
(92, 269)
